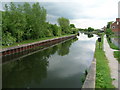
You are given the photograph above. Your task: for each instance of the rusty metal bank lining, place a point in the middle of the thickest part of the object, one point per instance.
(16, 49)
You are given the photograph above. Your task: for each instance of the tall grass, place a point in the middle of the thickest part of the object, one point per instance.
(103, 78)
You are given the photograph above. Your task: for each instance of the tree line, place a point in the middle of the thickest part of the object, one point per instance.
(89, 29)
(27, 22)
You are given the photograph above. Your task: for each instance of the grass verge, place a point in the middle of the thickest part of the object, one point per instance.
(36, 40)
(103, 78)
(117, 55)
(112, 45)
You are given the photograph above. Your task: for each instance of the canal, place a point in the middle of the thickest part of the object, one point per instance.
(60, 66)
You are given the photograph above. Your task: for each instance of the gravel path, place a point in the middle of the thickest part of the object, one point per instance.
(113, 63)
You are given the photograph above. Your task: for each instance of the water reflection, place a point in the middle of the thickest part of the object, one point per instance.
(90, 35)
(22, 73)
(64, 47)
(31, 69)
(61, 66)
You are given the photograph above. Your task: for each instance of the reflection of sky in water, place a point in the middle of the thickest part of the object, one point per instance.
(84, 37)
(79, 58)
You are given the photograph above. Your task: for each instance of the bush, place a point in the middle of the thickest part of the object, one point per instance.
(74, 31)
(8, 39)
(108, 32)
(48, 33)
(117, 55)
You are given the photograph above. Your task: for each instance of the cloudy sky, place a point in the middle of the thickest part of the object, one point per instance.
(82, 13)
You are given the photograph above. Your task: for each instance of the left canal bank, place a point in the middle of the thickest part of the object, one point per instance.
(35, 45)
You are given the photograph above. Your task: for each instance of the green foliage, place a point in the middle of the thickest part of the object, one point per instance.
(117, 55)
(108, 25)
(90, 35)
(103, 78)
(99, 34)
(108, 32)
(90, 29)
(72, 26)
(8, 39)
(28, 22)
(48, 33)
(39, 18)
(111, 44)
(55, 30)
(64, 24)
(74, 31)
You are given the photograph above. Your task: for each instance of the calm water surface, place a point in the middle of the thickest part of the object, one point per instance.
(61, 66)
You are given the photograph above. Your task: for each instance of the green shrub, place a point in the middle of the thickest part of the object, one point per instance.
(117, 55)
(111, 44)
(7, 39)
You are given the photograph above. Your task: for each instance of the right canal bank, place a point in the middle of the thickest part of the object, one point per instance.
(103, 77)
(113, 63)
(60, 66)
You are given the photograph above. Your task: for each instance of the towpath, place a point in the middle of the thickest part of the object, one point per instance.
(113, 63)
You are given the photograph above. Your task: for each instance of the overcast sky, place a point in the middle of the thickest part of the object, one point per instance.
(82, 13)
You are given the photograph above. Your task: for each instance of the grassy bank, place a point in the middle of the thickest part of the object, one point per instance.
(36, 40)
(117, 55)
(103, 78)
(112, 45)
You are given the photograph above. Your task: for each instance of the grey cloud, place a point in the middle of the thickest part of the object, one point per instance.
(70, 10)
(67, 10)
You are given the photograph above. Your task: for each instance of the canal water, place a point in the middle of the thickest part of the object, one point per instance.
(60, 66)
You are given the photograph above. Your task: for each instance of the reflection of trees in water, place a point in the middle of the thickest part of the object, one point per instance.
(30, 70)
(27, 71)
(90, 35)
(64, 47)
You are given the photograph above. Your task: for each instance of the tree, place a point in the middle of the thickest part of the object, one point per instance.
(55, 29)
(109, 24)
(7, 39)
(108, 32)
(29, 21)
(90, 29)
(39, 17)
(64, 24)
(72, 26)
(25, 22)
(74, 30)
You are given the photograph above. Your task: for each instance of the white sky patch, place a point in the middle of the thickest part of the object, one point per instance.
(119, 10)
(85, 23)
